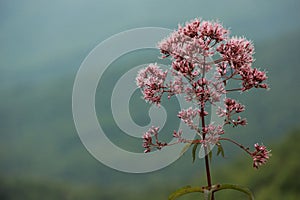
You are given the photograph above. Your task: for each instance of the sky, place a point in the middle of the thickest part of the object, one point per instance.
(36, 33)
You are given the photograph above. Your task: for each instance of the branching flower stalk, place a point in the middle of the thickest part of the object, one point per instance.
(196, 50)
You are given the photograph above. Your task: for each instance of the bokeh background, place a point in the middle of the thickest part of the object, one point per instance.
(43, 44)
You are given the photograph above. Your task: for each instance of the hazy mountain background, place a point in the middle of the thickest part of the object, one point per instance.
(43, 44)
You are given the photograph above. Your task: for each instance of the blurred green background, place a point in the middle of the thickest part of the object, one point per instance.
(42, 46)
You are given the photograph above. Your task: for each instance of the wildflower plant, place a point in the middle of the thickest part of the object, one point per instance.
(205, 60)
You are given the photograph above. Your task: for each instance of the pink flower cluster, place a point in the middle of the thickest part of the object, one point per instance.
(237, 54)
(148, 142)
(188, 115)
(260, 156)
(253, 78)
(177, 85)
(238, 51)
(232, 107)
(188, 42)
(190, 49)
(151, 80)
(212, 134)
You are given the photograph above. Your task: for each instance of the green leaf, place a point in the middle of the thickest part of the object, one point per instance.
(240, 188)
(185, 190)
(194, 151)
(220, 150)
(185, 148)
(208, 191)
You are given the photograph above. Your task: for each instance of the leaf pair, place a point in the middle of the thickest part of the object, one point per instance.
(188, 145)
(209, 191)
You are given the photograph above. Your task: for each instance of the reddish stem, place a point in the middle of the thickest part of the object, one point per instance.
(202, 102)
(238, 144)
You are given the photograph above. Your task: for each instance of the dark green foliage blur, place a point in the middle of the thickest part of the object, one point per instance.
(275, 181)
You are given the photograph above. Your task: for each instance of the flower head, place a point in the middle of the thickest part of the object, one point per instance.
(252, 78)
(238, 51)
(212, 134)
(233, 106)
(197, 37)
(260, 156)
(187, 116)
(191, 28)
(151, 80)
(213, 30)
(148, 142)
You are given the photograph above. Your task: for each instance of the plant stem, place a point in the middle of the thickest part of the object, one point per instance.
(237, 144)
(208, 175)
(235, 89)
(206, 156)
(202, 102)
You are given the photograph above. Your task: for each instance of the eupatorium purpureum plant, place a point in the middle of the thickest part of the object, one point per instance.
(206, 64)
